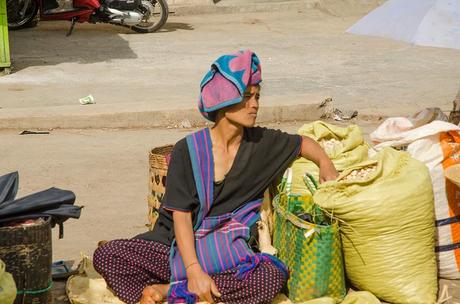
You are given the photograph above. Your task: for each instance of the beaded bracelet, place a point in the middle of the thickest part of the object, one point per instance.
(190, 265)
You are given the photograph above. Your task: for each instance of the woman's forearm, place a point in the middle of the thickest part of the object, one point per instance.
(199, 282)
(313, 151)
(185, 238)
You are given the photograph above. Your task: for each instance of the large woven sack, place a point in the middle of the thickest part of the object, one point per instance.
(360, 297)
(7, 286)
(312, 252)
(388, 227)
(89, 287)
(349, 148)
(437, 145)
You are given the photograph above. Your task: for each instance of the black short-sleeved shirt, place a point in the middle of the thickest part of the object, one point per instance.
(263, 155)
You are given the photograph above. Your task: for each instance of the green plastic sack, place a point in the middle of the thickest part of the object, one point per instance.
(7, 286)
(351, 150)
(388, 232)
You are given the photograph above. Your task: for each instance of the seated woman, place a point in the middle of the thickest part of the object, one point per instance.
(199, 248)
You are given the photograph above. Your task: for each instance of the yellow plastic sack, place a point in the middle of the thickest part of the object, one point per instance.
(353, 297)
(325, 300)
(360, 297)
(349, 149)
(88, 286)
(389, 235)
(7, 286)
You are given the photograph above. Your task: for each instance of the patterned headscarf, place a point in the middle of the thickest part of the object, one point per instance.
(224, 85)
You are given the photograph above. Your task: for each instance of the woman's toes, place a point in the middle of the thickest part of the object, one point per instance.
(157, 296)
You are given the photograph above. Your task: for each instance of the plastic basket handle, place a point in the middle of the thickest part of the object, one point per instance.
(286, 182)
(310, 182)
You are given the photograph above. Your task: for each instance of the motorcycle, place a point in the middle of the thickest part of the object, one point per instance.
(143, 16)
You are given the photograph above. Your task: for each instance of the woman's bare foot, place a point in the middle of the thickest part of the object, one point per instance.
(154, 294)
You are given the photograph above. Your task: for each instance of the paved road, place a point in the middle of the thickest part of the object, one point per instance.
(305, 56)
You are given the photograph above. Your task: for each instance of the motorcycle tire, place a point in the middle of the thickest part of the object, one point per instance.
(29, 20)
(164, 11)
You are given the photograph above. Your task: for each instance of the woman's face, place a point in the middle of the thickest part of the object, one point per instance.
(245, 112)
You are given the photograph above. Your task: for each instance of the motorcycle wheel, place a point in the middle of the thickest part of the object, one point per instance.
(30, 19)
(155, 15)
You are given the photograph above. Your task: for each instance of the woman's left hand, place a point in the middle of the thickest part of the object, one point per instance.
(327, 171)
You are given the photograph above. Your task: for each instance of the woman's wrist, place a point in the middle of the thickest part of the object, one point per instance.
(325, 161)
(193, 269)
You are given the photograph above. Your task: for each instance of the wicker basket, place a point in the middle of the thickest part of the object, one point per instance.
(158, 167)
(27, 254)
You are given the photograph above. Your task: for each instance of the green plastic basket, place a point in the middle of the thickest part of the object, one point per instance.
(312, 251)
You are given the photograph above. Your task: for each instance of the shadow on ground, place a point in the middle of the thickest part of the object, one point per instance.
(174, 26)
(47, 44)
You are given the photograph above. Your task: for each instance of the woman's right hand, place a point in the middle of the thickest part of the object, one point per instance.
(201, 284)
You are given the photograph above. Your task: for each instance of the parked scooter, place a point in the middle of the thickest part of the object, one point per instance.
(143, 16)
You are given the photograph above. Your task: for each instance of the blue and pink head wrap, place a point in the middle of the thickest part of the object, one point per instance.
(224, 85)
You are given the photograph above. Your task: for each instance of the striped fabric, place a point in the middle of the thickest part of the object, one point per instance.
(221, 241)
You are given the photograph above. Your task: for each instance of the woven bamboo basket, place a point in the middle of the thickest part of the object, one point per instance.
(158, 169)
(27, 253)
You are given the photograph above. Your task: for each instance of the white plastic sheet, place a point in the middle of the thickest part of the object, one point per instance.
(421, 22)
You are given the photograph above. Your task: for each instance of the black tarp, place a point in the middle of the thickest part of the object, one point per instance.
(9, 186)
(55, 203)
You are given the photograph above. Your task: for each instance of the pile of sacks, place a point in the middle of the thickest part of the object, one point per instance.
(399, 215)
